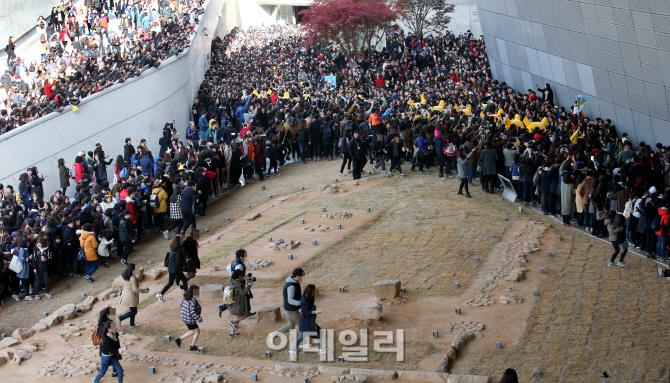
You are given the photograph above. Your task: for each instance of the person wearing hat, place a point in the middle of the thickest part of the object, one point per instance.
(162, 206)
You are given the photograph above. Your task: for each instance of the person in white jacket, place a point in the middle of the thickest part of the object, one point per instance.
(105, 242)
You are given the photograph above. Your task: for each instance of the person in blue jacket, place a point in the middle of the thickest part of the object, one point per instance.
(147, 164)
(24, 275)
(203, 125)
(308, 326)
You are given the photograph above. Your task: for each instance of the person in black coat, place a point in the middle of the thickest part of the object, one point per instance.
(103, 318)
(110, 351)
(175, 264)
(358, 151)
(308, 326)
(315, 137)
(128, 150)
(204, 187)
(188, 198)
(71, 247)
(192, 261)
(302, 137)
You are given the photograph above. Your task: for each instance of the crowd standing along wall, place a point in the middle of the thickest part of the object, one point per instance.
(137, 108)
(616, 52)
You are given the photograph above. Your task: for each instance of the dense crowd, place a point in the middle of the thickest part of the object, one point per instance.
(420, 102)
(79, 56)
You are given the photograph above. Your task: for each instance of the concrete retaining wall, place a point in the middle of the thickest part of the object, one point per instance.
(138, 108)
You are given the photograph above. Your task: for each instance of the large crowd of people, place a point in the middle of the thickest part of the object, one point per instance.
(80, 55)
(426, 103)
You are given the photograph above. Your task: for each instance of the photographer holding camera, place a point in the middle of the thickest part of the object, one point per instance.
(238, 265)
(241, 287)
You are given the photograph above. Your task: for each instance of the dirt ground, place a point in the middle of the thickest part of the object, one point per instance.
(586, 318)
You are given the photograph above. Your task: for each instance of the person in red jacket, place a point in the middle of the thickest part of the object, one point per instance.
(78, 168)
(379, 81)
(130, 205)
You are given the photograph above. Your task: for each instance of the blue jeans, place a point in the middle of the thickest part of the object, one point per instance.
(105, 362)
(629, 233)
(303, 151)
(651, 241)
(661, 245)
(471, 172)
(130, 314)
(301, 337)
(91, 267)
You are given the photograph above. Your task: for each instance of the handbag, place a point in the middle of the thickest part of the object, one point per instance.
(600, 215)
(15, 265)
(81, 255)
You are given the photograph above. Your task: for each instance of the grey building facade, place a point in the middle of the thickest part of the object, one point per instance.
(616, 52)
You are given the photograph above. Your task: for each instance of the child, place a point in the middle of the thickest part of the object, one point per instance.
(104, 245)
(617, 238)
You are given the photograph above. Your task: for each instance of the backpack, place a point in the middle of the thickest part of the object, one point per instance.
(656, 223)
(123, 173)
(154, 201)
(228, 296)
(95, 338)
(73, 172)
(327, 133)
(628, 210)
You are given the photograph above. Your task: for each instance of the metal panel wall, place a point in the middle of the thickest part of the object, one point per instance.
(615, 51)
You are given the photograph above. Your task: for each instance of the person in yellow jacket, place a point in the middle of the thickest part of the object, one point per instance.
(161, 210)
(89, 243)
(576, 136)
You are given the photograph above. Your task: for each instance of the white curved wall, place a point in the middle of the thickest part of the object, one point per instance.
(138, 108)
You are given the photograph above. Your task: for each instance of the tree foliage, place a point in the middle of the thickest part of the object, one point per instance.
(424, 16)
(351, 25)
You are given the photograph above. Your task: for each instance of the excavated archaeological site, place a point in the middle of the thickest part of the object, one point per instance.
(416, 284)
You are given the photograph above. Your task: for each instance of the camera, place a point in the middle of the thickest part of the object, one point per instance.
(250, 278)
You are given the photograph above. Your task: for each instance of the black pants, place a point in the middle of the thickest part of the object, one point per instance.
(179, 276)
(464, 182)
(486, 182)
(203, 206)
(189, 220)
(127, 248)
(41, 278)
(273, 166)
(442, 163)
(359, 164)
(346, 159)
(159, 220)
(178, 223)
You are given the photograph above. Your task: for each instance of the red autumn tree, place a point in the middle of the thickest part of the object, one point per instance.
(351, 25)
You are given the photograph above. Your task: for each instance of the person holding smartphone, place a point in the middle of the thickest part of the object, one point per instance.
(308, 326)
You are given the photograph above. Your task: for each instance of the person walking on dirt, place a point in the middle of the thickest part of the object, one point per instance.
(308, 326)
(175, 267)
(110, 351)
(357, 151)
(238, 264)
(130, 295)
(292, 296)
(241, 288)
(103, 318)
(190, 315)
